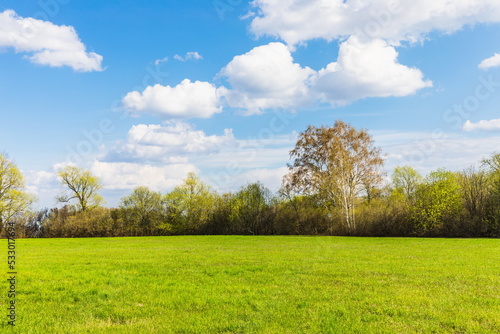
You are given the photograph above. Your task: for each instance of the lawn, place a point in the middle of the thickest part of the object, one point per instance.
(244, 284)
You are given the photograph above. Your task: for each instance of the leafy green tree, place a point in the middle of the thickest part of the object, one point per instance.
(93, 222)
(190, 204)
(219, 222)
(144, 209)
(475, 191)
(492, 165)
(438, 199)
(83, 188)
(337, 164)
(14, 200)
(300, 214)
(405, 180)
(250, 210)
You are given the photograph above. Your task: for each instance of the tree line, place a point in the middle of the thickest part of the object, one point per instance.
(335, 186)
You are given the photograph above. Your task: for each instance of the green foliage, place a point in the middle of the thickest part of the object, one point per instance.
(219, 221)
(144, 212)
(189, 205)
(302, 215)
(248, 284)
(406, 180)
(250, 212)
(493, 166)
(464, 204)
(92, 222)
(83, 187)
(437, 199)
(14, 200)
(387, 216)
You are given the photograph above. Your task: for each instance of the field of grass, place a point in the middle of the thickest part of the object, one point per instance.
(237, 284)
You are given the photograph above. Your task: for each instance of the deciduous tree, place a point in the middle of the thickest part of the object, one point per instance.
(83, 187)
(336, 163)
(249, 209)
(14, 199)
(406, 180)
(144, 209)
(438, 199)
(190, 204)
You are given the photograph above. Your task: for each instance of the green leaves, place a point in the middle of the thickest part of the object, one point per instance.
(189, 204)
(437, 199)
(83, 187)
(14, 199)
(406, 180)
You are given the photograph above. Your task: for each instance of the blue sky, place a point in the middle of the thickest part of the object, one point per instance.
(141, 93)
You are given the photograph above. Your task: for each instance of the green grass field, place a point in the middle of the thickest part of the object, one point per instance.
(237, 284)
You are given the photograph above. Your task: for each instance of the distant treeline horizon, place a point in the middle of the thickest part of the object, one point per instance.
(334, 187)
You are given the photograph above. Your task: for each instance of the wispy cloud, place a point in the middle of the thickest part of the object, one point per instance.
(159, 61)
(194, 55)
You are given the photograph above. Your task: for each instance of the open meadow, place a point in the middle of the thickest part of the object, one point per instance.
(245, 284)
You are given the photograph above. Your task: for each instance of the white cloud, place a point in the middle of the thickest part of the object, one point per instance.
(490, 62)
(171, 143)
(491, 125)
(122, 175)
(187, 99)
(297, 21)
(39, 182)
(367, 70)
(159, 61)
(193, 55)
(427, 151)
(271, 178)
(266, 77)
(48, 44)
(60, 165)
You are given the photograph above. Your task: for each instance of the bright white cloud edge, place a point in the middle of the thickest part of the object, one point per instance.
(493, 61)
(394, 21)
(48, 44)
(483, 125)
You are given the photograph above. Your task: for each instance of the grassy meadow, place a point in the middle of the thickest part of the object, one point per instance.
(244, 284)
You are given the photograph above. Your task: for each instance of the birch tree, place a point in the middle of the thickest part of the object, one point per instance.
(337, 164)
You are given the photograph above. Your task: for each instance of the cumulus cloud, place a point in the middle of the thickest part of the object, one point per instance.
(367, 70)
(170, 143)
(193, 55)
(297, 21)
(46, 43)
(186, 100)
(490, 62)
(266, 77)
(40, 182)
(484, 125)
(122, 175)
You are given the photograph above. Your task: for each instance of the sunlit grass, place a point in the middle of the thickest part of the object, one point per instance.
(235, 284)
